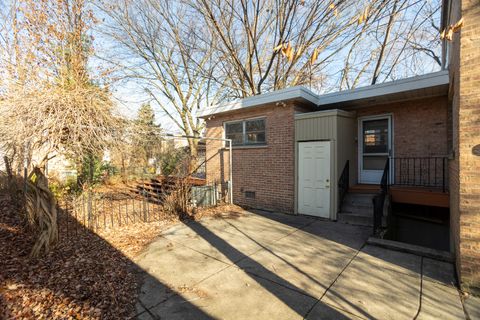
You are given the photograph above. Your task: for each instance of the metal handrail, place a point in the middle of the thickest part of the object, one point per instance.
(385, 177)
(343, 183)
(421, 171)
(379, 200)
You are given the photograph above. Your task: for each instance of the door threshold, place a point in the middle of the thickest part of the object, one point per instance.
(364, 188)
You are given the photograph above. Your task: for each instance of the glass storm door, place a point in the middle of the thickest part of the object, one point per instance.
(374, 148)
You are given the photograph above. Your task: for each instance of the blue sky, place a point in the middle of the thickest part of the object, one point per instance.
(129, 95)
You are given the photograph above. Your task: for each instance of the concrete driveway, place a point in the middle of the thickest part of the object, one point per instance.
(273, 266)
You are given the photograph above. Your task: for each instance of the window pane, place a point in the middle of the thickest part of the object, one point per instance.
(234, 131)
(374, 162)
(237, 139)
(255, 125)
(253, 138)
(236, 127)
(375, 136)
(255, 131)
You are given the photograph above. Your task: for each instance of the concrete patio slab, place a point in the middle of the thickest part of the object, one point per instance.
(249, 297)
(275, 267)
(262, 230)
(167, 267)
(440, 302)
(370, 291)
(325, 311)
(401, 262)
(311, 268)
(344, 234)
(152, 293)
(311, 277)
(472, 306)
(320, 239)
(225, 244)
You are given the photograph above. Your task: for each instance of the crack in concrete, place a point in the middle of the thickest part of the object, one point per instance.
(335, 280)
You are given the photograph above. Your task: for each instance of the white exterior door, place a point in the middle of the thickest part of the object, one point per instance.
(375, 145)
(314, 178)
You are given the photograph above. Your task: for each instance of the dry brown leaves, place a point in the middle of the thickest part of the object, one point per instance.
(87, 276)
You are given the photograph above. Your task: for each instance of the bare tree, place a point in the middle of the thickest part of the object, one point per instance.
(188, 54)
(49, 103)
(157, 44)
(272, 44)
(401, 41)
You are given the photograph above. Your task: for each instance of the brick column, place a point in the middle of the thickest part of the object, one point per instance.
(465, 167)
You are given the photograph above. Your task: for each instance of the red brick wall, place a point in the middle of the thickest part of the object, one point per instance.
(420, 129)
(465, 167)
(419, 126)
(267, 170)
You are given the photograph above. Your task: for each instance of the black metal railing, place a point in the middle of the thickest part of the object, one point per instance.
(379, 200)
(421, 171)
(343, 183)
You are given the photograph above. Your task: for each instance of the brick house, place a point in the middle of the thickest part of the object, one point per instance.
(365, 126)
(300, 153)
(463, 56)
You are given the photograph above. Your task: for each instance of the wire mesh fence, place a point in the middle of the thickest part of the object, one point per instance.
(138, 181)
(162, 180)
(97, 211)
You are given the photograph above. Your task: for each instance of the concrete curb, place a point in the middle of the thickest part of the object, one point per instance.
(413, 249)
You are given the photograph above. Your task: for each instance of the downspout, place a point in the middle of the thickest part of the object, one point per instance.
(230, 182)
(230, 185)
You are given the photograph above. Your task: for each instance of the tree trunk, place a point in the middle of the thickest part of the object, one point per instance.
(193, 147)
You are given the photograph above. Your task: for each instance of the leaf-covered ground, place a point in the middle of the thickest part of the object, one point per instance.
(86, 276)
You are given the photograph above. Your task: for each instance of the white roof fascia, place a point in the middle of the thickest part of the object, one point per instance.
(297, 92)
(377, 90)
(325, 113)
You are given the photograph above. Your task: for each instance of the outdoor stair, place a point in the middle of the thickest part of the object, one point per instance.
(157, 188)
(357, 209)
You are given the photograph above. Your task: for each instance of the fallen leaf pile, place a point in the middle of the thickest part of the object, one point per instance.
(86, 276)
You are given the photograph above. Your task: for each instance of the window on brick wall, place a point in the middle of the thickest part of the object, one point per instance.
(246, 132)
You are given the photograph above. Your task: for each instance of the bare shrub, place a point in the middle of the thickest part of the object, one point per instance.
(177, 201)
(50, 102)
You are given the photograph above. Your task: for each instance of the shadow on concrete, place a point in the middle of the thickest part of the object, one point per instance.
(351, 236)
(82, 271)
(271, 281)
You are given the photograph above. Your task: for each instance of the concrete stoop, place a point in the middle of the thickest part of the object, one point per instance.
(357, 209)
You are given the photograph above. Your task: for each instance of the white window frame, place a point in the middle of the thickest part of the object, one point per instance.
(243, 121)
(391, 139)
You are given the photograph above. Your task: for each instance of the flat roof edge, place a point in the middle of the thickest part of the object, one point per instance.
(420, 82)
(435, 79)
(297, 92)
(324, 113)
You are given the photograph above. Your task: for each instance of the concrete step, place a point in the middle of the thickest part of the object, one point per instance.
(352, 208)
(360, 203)
(357, 209)
(355, 219)
(358, 198)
